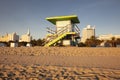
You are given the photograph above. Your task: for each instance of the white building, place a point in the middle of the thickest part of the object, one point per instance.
(13, 37)
(9, 37)
(87, 33)
(26, 37)
(13, 44)
(108, 37)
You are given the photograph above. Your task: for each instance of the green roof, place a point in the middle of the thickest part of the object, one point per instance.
(73, 18)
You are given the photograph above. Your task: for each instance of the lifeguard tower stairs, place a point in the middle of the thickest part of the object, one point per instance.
(66, 31)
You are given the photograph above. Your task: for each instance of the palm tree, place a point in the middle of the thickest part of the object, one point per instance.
(117, 41)
(92, 42)
(113, 42)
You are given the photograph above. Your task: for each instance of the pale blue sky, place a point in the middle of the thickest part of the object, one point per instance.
(19, 15)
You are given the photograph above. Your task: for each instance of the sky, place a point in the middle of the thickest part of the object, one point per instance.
(19, 15)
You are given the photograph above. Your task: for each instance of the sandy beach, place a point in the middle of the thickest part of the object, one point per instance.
(59, 63)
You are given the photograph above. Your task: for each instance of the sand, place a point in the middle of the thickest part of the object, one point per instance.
(59, 63)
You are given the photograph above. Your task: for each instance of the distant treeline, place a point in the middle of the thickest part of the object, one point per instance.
(92, 42)
(34, 42)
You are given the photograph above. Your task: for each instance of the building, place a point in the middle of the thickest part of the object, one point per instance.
(13, 38)
(13, 44)
(26, 37)
(108, 37)
(9, 37)
(66, 32)
(87, 33)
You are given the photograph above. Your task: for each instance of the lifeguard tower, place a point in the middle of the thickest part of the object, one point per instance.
(66, 31)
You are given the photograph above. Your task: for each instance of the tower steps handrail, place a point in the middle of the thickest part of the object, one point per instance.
(50, 31)
(61, 32)
(58, 33)
(77, 30)
(63, 28)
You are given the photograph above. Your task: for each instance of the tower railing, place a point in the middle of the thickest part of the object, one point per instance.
(65, 29)
(51, 31)
(77, 30)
